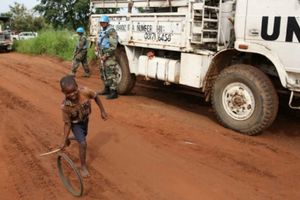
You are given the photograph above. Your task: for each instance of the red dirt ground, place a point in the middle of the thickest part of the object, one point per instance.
(156, 145)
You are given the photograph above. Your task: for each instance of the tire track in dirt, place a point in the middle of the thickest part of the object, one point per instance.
(27, 157)
(39, 181)
(205, 154)
(22, 69)
(29, 71)
(32, 178)
(31, 126)
(11, 101)
(214, 153)
(97, 186)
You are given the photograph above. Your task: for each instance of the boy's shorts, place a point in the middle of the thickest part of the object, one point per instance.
(80, 130)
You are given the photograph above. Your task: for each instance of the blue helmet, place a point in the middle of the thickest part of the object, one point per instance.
(80, 30)
(104, 18)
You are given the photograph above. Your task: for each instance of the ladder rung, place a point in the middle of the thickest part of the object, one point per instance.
(210, 30)
(211, 7)
(198, 14)
(197, 30)
(205, 40)
(196, 42)
(197, 19)
(210, 20)
(198, 6)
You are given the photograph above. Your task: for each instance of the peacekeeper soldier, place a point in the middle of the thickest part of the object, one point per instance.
(80, 54)
(107, 44)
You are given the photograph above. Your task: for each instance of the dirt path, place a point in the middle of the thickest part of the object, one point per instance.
(157, 145)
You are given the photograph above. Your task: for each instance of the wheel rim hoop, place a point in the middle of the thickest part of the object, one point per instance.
(238, 101)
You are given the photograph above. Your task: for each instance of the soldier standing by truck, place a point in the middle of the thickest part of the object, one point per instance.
(80, 54)
(107, 44)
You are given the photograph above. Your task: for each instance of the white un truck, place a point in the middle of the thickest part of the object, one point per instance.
(240, 53)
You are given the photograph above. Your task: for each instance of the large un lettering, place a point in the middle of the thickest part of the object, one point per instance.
(293, 28)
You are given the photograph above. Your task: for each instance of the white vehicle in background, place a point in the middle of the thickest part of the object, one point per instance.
(240, 53)
(5, 41)
(26, 35)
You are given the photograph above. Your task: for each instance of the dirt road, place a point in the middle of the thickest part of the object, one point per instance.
(157, 145)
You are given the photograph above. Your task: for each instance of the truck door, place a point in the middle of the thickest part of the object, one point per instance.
(275, 24)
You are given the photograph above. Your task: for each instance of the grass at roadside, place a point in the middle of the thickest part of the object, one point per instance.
(59, 43)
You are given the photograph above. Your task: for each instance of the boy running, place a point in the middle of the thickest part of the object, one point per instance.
(76, 108)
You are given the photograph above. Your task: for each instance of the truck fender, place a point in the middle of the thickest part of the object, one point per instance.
(265, 51)
(220, 60)
(223, 59)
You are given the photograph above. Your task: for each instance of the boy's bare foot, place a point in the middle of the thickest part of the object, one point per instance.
(68, 142)
(84, 172)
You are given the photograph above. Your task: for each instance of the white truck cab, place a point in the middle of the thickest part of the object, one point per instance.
(5, 35)
(272, 29)
(240, 53)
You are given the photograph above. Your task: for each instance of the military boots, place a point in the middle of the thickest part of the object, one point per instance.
(113, 95)
(105, 91)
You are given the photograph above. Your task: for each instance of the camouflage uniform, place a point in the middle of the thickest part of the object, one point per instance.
(107, 43)
(80, 56)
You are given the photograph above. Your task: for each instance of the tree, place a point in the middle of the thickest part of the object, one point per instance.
(69, 14)
(65, 13)
(24, 20)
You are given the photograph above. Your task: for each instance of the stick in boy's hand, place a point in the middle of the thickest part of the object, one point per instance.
(104, 116)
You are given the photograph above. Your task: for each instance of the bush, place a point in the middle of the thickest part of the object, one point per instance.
(50, 42)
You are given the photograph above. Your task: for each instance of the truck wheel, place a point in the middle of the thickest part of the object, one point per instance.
(132, 82)
(244, 99)
(8, 48)
(126, 80)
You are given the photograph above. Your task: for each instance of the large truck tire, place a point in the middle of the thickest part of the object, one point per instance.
(244, 99)
(126, 80)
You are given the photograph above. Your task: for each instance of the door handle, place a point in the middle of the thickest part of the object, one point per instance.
(253, 32)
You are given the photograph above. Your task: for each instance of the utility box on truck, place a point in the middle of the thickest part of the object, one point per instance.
(239, 53)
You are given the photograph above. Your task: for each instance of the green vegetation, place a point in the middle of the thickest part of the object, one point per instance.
(50, 42)
(53, 16)
(65, 14)
(23, 19)
(69, 14)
